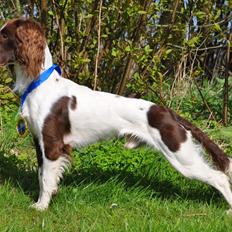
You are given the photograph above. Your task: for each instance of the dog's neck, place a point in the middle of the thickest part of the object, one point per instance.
(22, 80)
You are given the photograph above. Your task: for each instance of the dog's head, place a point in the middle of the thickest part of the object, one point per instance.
(22, 42)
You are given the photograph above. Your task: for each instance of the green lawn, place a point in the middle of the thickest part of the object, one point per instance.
(88, 207)
(108, 188)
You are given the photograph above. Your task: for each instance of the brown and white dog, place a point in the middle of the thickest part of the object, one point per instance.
(62, 114)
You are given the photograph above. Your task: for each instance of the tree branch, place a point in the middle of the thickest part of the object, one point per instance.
(98, 46)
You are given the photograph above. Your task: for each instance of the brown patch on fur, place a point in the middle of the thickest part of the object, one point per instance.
(67, 149)
(73, 103)
(27, 44)
(31, 46)
(38, 152)
(7, 44)
(56, 125)
(170, 130)
(219, 158)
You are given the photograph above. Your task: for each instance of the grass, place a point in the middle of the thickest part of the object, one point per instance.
(88, 207)
(107, 189)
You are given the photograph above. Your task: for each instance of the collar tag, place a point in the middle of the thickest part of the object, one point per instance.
(22, 126)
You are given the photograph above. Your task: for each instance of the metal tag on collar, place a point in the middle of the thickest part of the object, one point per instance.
(22, 126)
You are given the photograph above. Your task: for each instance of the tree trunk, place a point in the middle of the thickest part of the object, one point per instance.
(226, 84)
(44, 15)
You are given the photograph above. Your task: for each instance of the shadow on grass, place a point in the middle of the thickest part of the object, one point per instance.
(162, 189)
(14, 171)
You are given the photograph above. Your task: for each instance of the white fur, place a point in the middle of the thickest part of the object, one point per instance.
(229, 170)
(101, 115)
(49, 176)
(21, 82)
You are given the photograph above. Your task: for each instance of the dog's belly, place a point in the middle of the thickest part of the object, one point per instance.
(92, 127)
(106, 116)
(83, 138)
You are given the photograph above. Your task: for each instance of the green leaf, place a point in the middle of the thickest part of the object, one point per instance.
(86, 60)
(128, 48)
(217, 27)
(51, 13)
(147, 49)
(168, 51)
(8, 80)
(193, 41)
(142, 12)
(88, 16)
(200, 14)
(114, 52)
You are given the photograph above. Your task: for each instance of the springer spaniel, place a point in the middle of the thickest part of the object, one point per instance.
(62, 114)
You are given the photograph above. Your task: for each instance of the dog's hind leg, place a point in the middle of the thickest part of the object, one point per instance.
(170, 136)
(200, 170)
(190, 163)
(195, 167)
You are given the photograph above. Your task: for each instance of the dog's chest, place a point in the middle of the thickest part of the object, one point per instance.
(39, 103)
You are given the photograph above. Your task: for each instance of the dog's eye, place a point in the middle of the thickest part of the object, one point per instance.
(4, 35)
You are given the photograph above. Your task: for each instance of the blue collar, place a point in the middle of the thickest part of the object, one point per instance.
(34, 84)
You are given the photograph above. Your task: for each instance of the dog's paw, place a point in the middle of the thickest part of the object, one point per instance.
(131, 144)
(38, 206)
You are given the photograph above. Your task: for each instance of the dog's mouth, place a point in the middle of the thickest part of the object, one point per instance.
(7, 59)
(9, 64)
(4, 63)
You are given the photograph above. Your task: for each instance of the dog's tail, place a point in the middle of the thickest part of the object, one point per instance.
(220, 159)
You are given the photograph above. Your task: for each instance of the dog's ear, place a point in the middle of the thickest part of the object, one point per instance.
(31, 45)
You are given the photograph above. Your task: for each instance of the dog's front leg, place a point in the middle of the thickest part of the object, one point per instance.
(49, 174)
